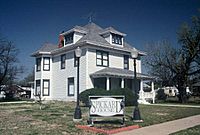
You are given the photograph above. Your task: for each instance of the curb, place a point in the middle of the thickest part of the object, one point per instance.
(113, 131)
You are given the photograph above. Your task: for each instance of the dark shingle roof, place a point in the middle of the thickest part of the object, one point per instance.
(111, 30)
(47, 47)
(91, 35)
(117, 72)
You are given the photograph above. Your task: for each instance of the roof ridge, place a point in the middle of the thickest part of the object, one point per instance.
(94, 25)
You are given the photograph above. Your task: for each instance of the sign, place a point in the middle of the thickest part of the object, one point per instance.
(106, 106)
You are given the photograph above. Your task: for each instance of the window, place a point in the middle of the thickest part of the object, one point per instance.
(38, 64)
(46, 85)
(102, 58)
(71, 86)
(75, 60)
(126, 62)
(69, 38)
(63, 58)
(46, 64)
(116, 39)
(37, 89)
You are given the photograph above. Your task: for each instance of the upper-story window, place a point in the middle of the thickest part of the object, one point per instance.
(102, 58)
(69, 38)
(46, 63)
(116, 39)
(126, 62)
(63, 58)
(38, 64)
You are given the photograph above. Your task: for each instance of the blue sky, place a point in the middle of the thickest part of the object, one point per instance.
(30, 23)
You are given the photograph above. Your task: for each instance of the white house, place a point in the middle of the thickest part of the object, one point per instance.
(105, 62)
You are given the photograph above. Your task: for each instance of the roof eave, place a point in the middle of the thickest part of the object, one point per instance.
(68, 47)
(40, 53)
(74, 30)
(110, 31)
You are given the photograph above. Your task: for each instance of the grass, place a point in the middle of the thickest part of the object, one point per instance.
(57, 118)
(190, 131)
(174, 100)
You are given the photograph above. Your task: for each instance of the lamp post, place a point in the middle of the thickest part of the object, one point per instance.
(136, 111)
(77, 113)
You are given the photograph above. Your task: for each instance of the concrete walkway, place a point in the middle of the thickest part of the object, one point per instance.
(176, 105)
(165, 128)
(16, 102)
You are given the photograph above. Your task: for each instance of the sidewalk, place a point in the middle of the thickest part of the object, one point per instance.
(165, 128)
(176, 105)
(16, 102)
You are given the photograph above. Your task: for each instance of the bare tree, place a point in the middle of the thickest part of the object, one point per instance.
(178, 66)
(28, 79)
(8, 60)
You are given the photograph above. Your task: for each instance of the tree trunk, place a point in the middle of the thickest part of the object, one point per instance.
(182, 94)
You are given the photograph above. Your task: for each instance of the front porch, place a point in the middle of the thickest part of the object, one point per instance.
(114, 78)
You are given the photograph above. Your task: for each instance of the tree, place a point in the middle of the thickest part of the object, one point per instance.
(28, 79)
(8, 59)
(156, 61)
(178, 66)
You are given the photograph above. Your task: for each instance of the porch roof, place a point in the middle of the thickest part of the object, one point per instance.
(120, 73)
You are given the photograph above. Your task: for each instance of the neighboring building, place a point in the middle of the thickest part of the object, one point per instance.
(196, 89)
(15, 91)
(170, 91)
(105, 63)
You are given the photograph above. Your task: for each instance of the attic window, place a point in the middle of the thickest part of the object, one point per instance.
(116, 39)
(69, 38)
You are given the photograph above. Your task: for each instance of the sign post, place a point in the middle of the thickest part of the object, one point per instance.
(106, 106)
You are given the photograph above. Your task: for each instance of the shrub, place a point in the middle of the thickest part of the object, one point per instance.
(129, 96)
(161, 95)
(84, 96)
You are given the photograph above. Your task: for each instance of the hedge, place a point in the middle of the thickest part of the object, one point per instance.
(129, 95)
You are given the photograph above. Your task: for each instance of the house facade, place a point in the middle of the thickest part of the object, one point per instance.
(105, 62)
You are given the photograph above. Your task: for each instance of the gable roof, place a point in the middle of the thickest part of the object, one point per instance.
(111, 30)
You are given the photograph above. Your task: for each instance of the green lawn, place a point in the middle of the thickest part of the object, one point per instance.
(190, 131)
(57, 118)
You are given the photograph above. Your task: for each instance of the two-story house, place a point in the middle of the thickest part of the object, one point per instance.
(105, 62)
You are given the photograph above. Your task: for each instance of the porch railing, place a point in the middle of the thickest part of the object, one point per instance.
(144, 96)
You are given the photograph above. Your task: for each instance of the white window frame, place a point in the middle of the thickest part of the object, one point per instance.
(46, 63)
(63, 61)
(38, 64)
(46, 87)
(70, 85)
(102, 58)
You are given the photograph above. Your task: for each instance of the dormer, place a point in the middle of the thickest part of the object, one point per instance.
(71, 36)
(113, 36)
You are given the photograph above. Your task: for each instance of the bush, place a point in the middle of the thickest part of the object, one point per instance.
(129, 96)
(161, 95)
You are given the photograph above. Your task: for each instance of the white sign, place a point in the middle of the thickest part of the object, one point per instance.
(106, 105)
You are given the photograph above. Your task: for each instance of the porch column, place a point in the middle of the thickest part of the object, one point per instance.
(107, 83)
(141, 91)
(122, 83)
(152, 86)
(153, 92)
(141, 85)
